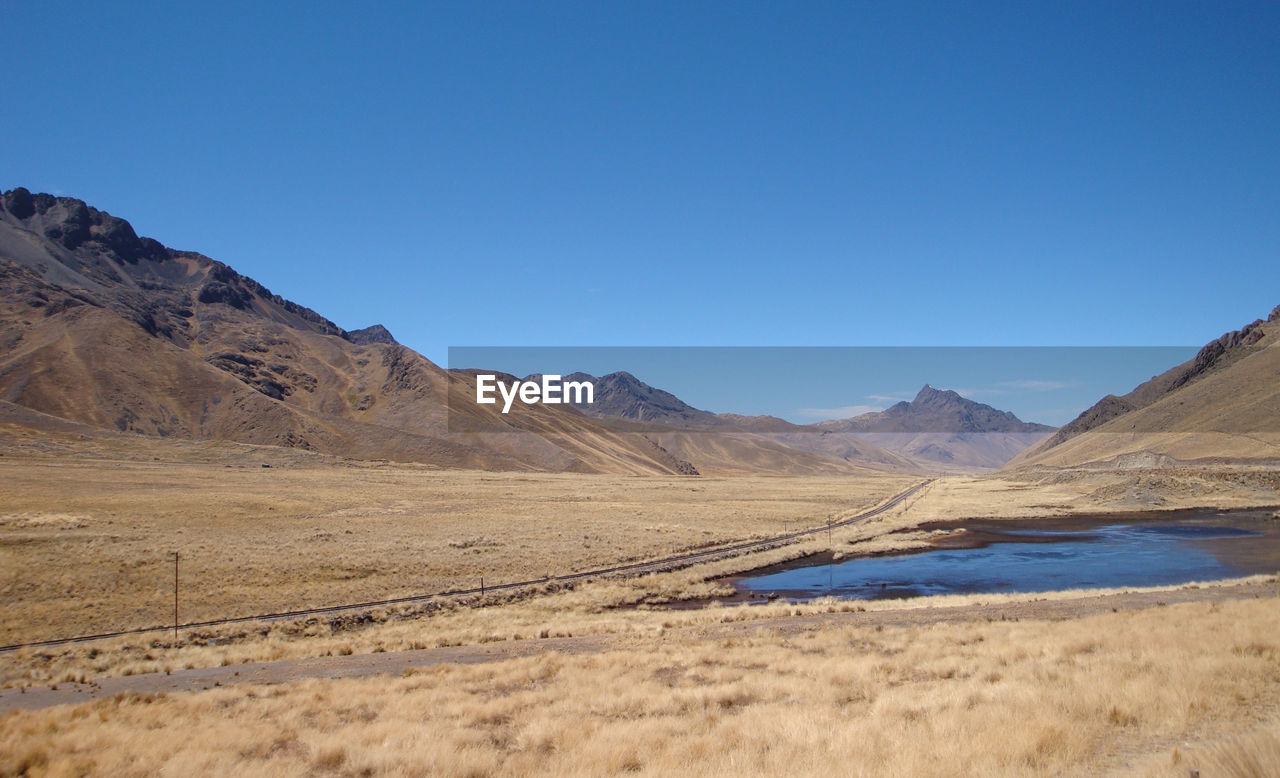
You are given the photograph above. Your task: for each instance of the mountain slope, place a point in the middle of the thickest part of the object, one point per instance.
(623, 396)
(101, 327)
(1223, 404)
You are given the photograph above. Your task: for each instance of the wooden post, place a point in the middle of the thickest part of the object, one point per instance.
(175, 598)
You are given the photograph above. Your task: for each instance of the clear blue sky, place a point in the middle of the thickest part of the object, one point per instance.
(684, 173)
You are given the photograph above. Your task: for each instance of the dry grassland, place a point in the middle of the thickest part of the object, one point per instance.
(1155, 692)
(1044, 493)
(257, 539)
(597, 607)
(85, 545)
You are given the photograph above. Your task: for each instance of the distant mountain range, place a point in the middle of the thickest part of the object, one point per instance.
(623, 396)
(943, 431)
(118, 333)
(111, 331)
(938, 430)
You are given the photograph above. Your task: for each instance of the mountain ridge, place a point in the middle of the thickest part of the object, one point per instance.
(118, 332)
(104, 328)
(937, 429)
(1223, 404)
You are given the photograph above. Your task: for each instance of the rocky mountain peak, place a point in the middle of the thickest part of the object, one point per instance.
(930, 397)
(71, 224)
(936, 410)
(370, 335)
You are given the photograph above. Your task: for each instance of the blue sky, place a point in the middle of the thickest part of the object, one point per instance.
(683, 174)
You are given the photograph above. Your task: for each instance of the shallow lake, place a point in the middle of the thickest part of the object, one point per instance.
(1204, 547)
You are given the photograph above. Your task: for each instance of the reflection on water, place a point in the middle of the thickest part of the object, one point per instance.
(1140, 554)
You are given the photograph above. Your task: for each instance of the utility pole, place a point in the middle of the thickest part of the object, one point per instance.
(175, 598)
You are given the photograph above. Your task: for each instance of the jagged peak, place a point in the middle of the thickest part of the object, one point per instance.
(375, 333)
(71, 223)
(928, 392)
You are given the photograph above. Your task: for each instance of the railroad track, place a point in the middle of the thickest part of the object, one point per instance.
(673, 562)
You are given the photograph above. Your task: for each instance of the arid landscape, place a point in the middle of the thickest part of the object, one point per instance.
(1133, 684)
(659, 389)
(362, 588)
(1131, 692)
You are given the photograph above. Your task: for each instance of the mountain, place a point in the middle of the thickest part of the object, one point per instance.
(101, 329)
(723, 442)
(104, 328)
(370, 335)
(938, 430)
(623, 396)
(941, 430)
(936, 410)
(1221, 405)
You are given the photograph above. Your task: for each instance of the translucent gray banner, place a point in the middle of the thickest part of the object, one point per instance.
(1022, 391)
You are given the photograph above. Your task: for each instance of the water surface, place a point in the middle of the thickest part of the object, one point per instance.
(1145, 553)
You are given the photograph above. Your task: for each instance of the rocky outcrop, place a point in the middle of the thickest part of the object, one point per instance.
(135, 275)
(19, 202)
(71, 224)
(370, 335)
(681, 466)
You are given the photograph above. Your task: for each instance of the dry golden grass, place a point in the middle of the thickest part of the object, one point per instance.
(85, 543)
(1160, 690)
(82, 541)
(1255, 754)
(1041, 493)
(568, 613)
(599, 607)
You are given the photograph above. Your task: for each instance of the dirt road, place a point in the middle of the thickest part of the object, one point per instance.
(394, 663)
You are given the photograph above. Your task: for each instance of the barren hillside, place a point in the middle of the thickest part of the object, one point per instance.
(1223, 405)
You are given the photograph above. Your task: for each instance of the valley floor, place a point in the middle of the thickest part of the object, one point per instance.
(1155, 691)
(1044, 684)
